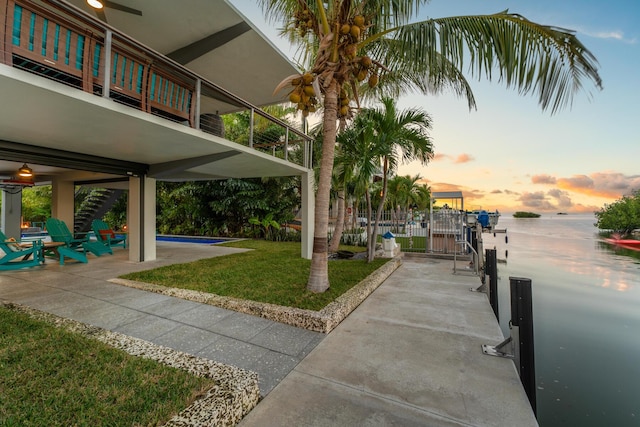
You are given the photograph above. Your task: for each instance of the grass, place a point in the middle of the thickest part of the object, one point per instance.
(273, 273)
(53, 377)
(419, 243)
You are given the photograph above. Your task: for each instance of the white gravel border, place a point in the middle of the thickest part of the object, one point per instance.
(324, 320)
(236, 391)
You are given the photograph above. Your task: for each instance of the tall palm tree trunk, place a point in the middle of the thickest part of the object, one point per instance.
(339, 226)
(373, 237)
(319, 274)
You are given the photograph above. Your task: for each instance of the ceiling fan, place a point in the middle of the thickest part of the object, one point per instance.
(100, 5)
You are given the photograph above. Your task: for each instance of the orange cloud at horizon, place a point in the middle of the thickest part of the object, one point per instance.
(506, 200)
(609, 185)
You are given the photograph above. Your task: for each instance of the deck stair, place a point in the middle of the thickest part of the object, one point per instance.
(94, 204)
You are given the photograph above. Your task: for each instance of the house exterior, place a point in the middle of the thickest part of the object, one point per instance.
(131, 94)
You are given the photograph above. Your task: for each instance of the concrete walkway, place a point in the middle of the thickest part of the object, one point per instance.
(410, 355)
(82, 292)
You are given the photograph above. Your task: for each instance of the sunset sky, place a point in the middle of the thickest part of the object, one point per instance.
(509, 154)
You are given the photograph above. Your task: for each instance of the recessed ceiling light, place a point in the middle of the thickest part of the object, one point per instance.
(96, 4)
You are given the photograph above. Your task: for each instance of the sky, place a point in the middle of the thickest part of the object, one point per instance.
(510, 155)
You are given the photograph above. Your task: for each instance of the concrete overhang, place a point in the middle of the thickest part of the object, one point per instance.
(211, 38)
(45, 114)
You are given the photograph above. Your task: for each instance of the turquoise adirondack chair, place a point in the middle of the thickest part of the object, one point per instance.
(74, 248)
(16, 257)
(106, 235)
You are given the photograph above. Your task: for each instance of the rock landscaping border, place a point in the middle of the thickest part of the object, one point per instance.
(236, 391)
(324, 320)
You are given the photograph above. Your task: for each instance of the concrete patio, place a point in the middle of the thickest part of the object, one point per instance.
(410, 354)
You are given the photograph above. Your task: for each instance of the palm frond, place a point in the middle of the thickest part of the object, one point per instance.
(530, 57)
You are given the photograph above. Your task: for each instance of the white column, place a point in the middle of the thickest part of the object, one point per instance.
(11, 213)
(62, 201)
(141, 219)
(308, 213)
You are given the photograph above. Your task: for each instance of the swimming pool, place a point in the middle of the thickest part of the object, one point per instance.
(44, 236)
(190, 239)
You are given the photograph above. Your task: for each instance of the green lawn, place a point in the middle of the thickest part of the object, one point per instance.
(273, 272)
(52, 377)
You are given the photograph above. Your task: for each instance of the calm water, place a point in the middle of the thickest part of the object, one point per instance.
(586, 304)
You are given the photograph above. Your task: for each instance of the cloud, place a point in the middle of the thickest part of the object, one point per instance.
(612, 185)
(576, 183)
(543, 179)
(461, 158)
(464, 158)
(496, 191)
(617, 35)
(563, 201)
(537, 200)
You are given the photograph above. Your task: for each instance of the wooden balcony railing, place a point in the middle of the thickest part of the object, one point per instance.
(58, 41)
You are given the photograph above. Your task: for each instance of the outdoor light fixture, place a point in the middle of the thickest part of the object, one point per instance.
(96, 4)
(25, 171)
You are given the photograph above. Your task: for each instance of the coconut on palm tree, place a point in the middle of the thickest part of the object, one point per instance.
(345, 43)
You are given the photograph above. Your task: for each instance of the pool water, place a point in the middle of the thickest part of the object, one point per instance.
(190, 239)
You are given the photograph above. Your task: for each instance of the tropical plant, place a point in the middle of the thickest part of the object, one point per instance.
(398, 136)
(346, 181)
(356, 166)
(36, 203)
(621, 216)
(404, 193)
(266, 224)
(346, 42)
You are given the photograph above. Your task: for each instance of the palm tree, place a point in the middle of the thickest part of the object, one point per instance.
(353, 170)
(345, 42)
(405, 192)
(398, 136)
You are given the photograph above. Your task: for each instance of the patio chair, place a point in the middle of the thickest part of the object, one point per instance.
(106, 235)
(74, 248)
(17, 256)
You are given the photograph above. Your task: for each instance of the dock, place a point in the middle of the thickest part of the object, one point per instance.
(409, 355)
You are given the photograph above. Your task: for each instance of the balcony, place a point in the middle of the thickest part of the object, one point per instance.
(125, 98)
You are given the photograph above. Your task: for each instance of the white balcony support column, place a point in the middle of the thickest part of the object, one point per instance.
(106, 84)
(63, 201)
(198, 101)
(251, 119)
(11, 213)
(307, 181)
(286, 144)
(141, 219)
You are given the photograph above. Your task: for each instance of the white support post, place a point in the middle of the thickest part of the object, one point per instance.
(106, 84)
(63, 200)
(141, 221)
(11, 212)
(308, 213)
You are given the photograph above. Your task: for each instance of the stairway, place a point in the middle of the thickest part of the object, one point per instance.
(94, 205)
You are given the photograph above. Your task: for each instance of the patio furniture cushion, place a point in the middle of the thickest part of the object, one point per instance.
(106, 235)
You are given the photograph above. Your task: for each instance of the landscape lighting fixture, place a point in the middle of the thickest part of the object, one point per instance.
(25, 171)
(96, 4)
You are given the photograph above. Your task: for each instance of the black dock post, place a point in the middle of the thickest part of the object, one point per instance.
(522, 317)
(492, 271)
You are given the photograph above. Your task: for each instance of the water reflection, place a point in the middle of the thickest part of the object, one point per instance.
(585, 299)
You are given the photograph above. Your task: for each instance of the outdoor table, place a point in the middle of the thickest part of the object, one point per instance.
(51, 247)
